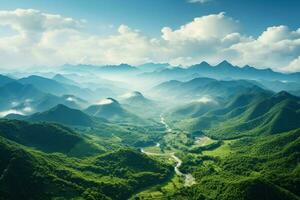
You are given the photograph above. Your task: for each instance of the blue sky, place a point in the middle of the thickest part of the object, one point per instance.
(262, 33)
(151, 15)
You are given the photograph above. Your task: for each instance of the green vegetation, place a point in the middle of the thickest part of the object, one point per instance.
(47, 137)
(228, 139)
(38, 175)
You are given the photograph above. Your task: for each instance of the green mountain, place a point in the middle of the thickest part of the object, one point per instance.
(112, 110)
(198, 87)
(45, 84)
(136, 99)
(249, 114)
(56, 88)
(137, 103)
(265, 167)
(14, 93)
(64, 115)
(5, 79)
(46, 137)
(28, 174)
(62, 79)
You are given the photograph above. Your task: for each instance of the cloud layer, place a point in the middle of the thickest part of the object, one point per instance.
(41, 39)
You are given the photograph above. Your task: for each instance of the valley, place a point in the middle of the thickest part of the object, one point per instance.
(150, 100)
(62, 137)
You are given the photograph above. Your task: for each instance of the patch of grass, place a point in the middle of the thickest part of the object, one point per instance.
(222, 151)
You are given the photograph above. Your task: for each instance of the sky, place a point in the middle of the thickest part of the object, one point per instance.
(180, 32)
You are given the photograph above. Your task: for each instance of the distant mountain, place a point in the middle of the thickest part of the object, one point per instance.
(136, 98)
(118, 68)
(64, 115)
(26, 99)
(62, 79)
(122, 68)
(112, 110)
(137, 103)
(45, 84)
(195, 108)
(5, 79)
(223, 70)
(14, 92)
(295, 92)
(151, 67)
(278, 86)
(56, 88)
(49, 101)
(199, 87)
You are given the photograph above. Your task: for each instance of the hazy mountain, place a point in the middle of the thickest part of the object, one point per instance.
(199, 87)
(112, 110)
(223, 70)
(64, 115)
(62, 79)
(45, 84)
(278, 86)
(122, 68)
(5, 79)
(136, 98)
(151, 67)
(142, 106)
(13, 93)
(57, 88)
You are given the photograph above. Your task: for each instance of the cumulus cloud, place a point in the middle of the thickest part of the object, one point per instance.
(50, 39)
(276, 47)
(294, 65)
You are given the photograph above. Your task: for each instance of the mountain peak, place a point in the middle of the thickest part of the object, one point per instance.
(204, 63)
(133, 94)
(224, 63)
(108, 101)
(58, 76)
(60, 107)
(63, 115)
(284, 94)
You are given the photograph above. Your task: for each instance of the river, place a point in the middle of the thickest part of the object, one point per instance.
(188, 178)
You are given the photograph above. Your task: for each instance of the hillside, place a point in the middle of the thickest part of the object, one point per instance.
(112, 110)
(198, 87)
(46, 137)
(45, 176)
(64, 115)
(5, 79)
(248, 114)
(276, 114)
(14, 92)
(257, 168)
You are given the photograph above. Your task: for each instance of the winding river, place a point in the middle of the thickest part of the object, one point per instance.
(188, 178)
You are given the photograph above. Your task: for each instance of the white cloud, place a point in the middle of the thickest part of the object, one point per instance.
(294, 65)
(11, 111)
(199, 1)
(48, 39)
(276, 47)
(206, 100)
(203, 28)
(105, 102)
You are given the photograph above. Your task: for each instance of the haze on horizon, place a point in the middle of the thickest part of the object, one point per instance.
(183, 33)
